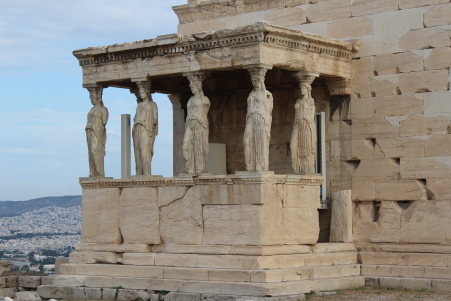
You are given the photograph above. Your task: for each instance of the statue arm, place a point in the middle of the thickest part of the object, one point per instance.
(104, 115)
(155, 119)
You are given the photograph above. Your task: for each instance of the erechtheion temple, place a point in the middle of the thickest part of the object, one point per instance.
(332, 118)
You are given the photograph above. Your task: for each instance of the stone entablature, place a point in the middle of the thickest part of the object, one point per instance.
(208, 10)
(220, 50)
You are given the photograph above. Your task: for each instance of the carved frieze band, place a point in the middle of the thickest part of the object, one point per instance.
(218, 9)
(203, 180)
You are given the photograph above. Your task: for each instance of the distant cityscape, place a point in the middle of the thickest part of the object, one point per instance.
(51, 228)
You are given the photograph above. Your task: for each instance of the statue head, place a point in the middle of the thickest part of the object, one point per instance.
(195, 81)
(143, 91)
(258, 77)
(305, 88)
(95, 94)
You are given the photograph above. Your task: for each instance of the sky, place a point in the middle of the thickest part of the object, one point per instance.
(43, 105)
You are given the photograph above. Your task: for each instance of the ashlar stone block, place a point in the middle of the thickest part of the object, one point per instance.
(427, 222)
(425, 81)
(363, 66)
(138, 209)
(375, 86)
(329, 10)
(377, 224)
(439, 58)
(398, 105)
(438, 145)
(425, 38)
(399, 147)
(100, 211)
(398, 63)
(363, 190)
(423, 168)
(424, 125)
(370, 7)
(438, 15)
(352, 27)
(287, 16)
(440, 189)
(401, 191)
(379, 169)
(94, 257)
(437, 102)
(404, 4)
(181, 221)
(399, 22)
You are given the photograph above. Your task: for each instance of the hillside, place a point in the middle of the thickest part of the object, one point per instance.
(11, 208)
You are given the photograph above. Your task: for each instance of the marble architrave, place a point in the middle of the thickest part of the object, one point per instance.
(195, 140)
(257, 133)
(96, 133)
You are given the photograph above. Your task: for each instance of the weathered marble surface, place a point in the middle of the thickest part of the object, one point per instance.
(304, 136)
(96, 133)
(145, 129)
(257, 133)
(195, 140)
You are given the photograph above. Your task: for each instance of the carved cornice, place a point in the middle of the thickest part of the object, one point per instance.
(260, 32)
(208, 10)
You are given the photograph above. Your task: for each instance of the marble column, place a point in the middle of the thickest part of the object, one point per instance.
(304, 135)
(178, 124)
(257, 133)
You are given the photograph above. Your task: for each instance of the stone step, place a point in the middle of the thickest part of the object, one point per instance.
(214, 287)
(438, 285)
(406, 271)
(219, 261)
(405, 259)
(204, 274)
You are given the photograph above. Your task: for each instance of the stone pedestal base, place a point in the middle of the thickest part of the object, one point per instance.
(250, 234)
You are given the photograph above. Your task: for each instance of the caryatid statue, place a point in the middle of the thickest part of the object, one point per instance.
(145, 129)
(96, 133)
(195, 140)
(257, 133)
(304, 136)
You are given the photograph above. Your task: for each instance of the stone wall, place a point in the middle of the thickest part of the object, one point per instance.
(393, 146)
(20, 287)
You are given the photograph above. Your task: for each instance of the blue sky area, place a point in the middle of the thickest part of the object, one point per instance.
(43, 106)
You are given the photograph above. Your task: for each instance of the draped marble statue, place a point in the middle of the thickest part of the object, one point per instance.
(304, 135)
(96, 133)
(195, 140)
(257, 133)
(145, 129)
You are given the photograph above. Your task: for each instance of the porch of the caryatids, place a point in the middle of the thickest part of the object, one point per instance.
(195, 140)
(304, 135)
(145, 127)
(257, 133)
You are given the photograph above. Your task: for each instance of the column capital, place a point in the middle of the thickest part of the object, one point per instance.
(176, 101)
(92, 85)
(196, 75)
(140, 79)
(306, 76)
(258, 65)
(339, 85)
